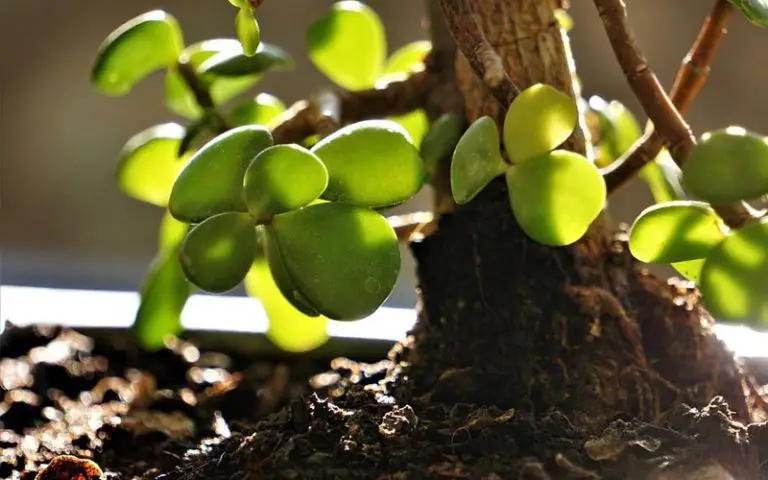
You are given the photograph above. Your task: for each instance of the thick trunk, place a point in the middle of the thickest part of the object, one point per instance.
(506, 321)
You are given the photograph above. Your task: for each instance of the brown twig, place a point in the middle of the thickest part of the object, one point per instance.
(256, 3)
(199, 90)
(396, 97)
(690, 78)
(483, 58)
(671, 126)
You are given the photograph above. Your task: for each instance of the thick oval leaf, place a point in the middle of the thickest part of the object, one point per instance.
(247, 29)
(727, 166)
(538, 120)
(180, 99)
(441, 139)
(734, 279)
(217, 253)
(556, 197)
(756, 11)
(289, 329)
(371, 163)
(283, 178)
(237, 64)
(408, 58)
(618, 129)
(283, 279)
(348, 45)
(675, 232)
(344, 260)
(212, 181)
(691, 269)
(477, 160)
(134, 50)
(163, 296)
(149, 163)
(260, 110)
(416, 123)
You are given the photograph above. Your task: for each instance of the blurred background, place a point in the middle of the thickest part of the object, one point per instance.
(64, 223)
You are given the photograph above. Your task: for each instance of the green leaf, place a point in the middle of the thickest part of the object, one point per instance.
(197, 130)
(408, 58)
(283, 279)
(416, 123)
(619, 129)
(344, 260)
(727, 166)
(237, 64)
(172, 232)
(212, 181)
(663, 178)
(259, 110)
(163, 296)
(477, 160)
(240, 3)
(734, 279)
(441, 139)
(289, 329)
(348, 45)
(691, 269)
(134, 50)
(675, 232)
(556, 197)
(538, 120)
(371, 164)
(217, 253)
(756, 11)
(283, 178)
(247, 29)
(180, 99)
(149, 163)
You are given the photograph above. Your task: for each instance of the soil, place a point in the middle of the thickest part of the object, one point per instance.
(182, 413)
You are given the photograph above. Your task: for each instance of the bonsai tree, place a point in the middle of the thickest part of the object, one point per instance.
(528, 304)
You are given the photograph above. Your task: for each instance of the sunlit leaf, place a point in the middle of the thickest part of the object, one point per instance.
(247, 29)
(619, 129)
(289, 329)
(344, 260)
(172, 232)
(149, 163)
(237, 64)
(691, 269)
(538, 120)
(348, 45)
(416, 123)
(734, 280)
(663, 178)
(756, 11)
(134, 50)
(727, 166)
(675, 232)
(259, 110)
(163, 296)
(477, 160)
(408, 58)
(217, 253)
(556, 197)
(441, 139)
(283, 178)
(212, 181)
(371, 163)
(179, 98)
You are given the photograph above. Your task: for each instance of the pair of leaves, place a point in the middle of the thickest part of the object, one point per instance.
(730, 267)
(555, 194)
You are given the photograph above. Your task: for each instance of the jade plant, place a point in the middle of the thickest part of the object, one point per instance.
(299, 218)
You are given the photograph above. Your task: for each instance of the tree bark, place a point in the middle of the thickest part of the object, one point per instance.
(509, 322)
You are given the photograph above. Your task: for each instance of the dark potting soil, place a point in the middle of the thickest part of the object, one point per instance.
(182, 413)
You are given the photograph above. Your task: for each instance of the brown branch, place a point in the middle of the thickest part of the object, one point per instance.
(256, 3)
(199, 90)
(690, 78)
(469, 37)
(305, 118)
(669, 123)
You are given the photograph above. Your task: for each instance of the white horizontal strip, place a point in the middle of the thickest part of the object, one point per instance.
(98, 308)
